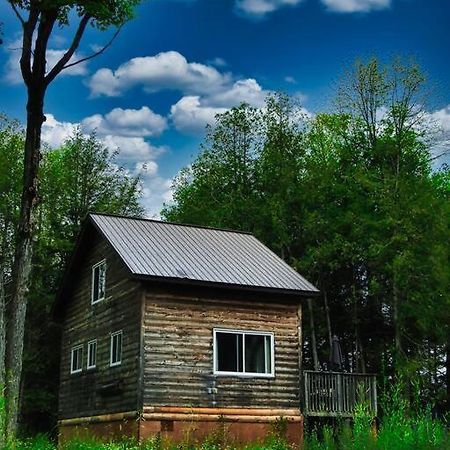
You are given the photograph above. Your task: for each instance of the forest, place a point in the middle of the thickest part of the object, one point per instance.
(352, 198)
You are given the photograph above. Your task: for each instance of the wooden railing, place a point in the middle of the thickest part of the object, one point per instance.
(335, 394)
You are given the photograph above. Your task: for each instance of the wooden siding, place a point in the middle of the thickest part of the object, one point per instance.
(178, 354)
(104, 389)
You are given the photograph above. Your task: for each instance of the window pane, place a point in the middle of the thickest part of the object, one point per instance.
(255, 353)
(229, 352)
(92, 354)
(116, 348)
(77, 359)
(95, 284)
(101, 281)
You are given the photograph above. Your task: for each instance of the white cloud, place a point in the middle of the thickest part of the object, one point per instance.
(191, 116)
(166, 70)
(217, 62)
(192, 113)
(353, 6)
(290, 79)
(441, 148)
(12, 74)
(54, 133)
(137, 155)
(126, 122)
(240, 91)
(259, 8)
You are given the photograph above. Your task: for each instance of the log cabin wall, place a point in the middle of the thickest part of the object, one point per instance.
(105, 389)
(178, 355)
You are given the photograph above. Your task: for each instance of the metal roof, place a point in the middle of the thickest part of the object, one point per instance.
(159, 249)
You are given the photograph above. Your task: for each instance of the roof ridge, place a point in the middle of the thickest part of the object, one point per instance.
(144, 219)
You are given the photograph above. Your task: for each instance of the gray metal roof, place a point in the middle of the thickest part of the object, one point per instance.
(167, 250)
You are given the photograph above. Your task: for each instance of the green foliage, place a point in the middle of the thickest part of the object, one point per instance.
(103, 13)
(351, 201)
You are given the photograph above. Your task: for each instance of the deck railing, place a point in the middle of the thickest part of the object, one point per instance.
(336, 394)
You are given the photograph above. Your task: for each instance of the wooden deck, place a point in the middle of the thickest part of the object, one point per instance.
(335, 394)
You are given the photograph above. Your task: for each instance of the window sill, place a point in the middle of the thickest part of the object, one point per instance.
(244, 375)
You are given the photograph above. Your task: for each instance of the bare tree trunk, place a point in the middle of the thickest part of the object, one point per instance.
(313, 335)
(23, 256)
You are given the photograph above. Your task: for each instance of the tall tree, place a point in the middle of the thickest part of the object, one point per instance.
(38, 19)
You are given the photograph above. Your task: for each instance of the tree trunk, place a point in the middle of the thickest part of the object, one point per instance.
(396, 320)
(2, 348)
(313, 335)
(23, 256)
(327, 315)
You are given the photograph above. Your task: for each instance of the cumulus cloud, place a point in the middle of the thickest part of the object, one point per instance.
(137, 155)
(192, 113)
(166, 70)
(354, 6)
(259, 8)
(191, 116)
(12, 74)
(441, 149)
(126, 122)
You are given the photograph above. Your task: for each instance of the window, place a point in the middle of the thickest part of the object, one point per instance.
(243, 353)
(92, 354)
(76, 360)
(116, 349)
(98, 282)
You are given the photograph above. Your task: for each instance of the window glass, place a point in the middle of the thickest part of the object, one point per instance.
(229, 352)
(98, 282)
(243, 352)
(76, 363)
(116, 349)
(92, 354)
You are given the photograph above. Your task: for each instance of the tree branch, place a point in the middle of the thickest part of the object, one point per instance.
(68, 55)
(27, 42)
(87, 58)
(16, 12)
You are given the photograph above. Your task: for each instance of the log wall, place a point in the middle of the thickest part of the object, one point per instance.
(178, 351)
(104, 389)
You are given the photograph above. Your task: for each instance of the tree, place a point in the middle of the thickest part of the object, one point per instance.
(350, 200)
(80, 176)
(38, 20)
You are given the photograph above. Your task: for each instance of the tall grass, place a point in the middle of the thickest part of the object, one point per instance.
(404, 426)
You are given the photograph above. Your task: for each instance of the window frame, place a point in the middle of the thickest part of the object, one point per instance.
(244, 374)
(89, 367)
(95, 266)
(72, 351)
(113, 335)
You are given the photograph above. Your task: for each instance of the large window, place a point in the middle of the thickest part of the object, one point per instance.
(98, 282)
(243, 353)
(116, 349)
(92, 354)
(76, 359)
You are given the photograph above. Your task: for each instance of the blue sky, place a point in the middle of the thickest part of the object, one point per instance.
(181, 61)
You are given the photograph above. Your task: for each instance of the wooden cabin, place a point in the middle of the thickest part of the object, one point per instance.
(178, 330)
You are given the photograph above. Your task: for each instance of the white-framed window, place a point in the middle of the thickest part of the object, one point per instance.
(243, 353)
(92, 354)
(98, 282)
(115, 358)
(76, 359)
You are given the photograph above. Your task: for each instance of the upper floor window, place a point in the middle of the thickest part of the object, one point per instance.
(243, 353)
(116, 349)
(76, 359)
(98, 282)
(92, 354)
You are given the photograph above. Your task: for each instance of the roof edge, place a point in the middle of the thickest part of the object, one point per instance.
(165, 222)
(227, 286)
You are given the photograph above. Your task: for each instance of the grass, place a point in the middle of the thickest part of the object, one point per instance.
(403, 427)
(396, 432)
